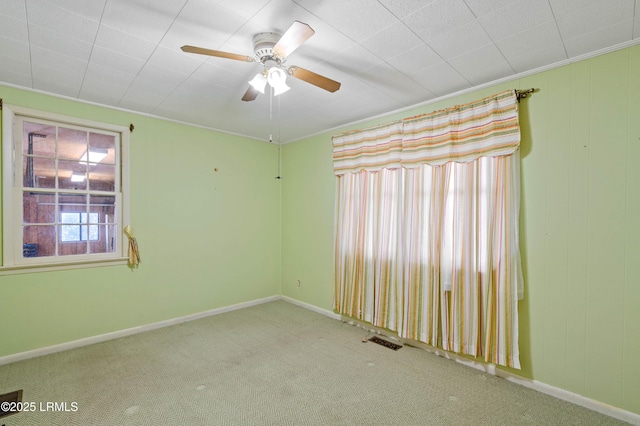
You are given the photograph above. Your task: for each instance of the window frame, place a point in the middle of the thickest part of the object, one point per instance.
(12, 238)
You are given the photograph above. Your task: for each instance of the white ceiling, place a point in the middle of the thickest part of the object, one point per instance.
(388, 54)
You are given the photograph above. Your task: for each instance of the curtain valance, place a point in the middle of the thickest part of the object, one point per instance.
(486, 127)
(370, 149)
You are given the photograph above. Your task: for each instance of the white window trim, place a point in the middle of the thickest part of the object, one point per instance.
(12, 230)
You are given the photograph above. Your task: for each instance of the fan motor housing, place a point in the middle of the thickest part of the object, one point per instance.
(263, 45)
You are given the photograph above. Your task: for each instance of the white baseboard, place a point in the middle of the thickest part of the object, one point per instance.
(129, 331)
(574, 398)
(565, 395)
(310, 307)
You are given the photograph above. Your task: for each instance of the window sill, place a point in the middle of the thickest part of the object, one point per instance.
(47, 267)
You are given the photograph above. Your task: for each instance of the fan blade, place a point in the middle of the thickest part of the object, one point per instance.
(250, 95)
(218, 53)
(315, 79)
(297, 34)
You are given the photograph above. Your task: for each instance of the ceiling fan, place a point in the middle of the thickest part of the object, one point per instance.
(271, 50)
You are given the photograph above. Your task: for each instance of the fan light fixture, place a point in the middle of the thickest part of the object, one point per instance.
(259, 82)
(276, 77)
(94, 155)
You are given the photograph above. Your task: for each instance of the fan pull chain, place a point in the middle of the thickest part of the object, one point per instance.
(270, 115)
(279, 124)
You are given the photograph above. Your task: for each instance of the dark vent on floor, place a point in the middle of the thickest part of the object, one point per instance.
(12, 398)
(386, 344)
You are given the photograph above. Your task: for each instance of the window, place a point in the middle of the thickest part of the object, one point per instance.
(77, 228)
(65, 185)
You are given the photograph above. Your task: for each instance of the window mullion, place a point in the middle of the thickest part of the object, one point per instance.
(57, 224)
(57, 228)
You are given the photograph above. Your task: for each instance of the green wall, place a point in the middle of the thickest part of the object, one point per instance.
(207, 239)
(580, 224)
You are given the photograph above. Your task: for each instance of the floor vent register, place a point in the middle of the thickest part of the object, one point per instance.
(385, 343)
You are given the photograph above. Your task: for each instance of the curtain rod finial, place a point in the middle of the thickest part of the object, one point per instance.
(521, 94)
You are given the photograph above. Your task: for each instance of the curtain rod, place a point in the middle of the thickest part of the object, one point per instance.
(521, 94)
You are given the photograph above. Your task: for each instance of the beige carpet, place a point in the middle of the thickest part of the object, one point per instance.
(272, 364)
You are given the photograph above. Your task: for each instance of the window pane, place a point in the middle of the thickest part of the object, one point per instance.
(39, 240)
(39, 139)
(38, 172)
(70, 240)
(72, 175)
(104, 206)
(73, 203)
(38, 208)
(72, 144)
(71, 207)
(102, 177)
(107, 241)
(104, 144)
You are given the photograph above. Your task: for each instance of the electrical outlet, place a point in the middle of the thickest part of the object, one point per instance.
(298, 283)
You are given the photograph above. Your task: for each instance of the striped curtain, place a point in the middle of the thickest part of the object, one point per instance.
(367, 263)
(427, 243)
(461, 263)
(368, 209)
